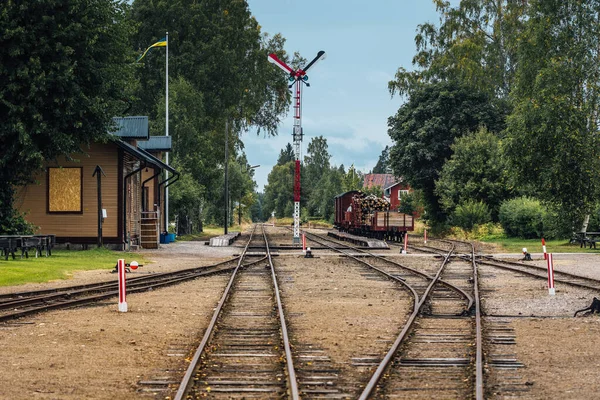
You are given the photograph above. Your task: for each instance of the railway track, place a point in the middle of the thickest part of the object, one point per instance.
(245, 351)
(20, 304)
(532, 270)
(438, 353)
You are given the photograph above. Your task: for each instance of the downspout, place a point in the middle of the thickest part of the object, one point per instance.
(125, 238)
(147, 180)
(167, 182)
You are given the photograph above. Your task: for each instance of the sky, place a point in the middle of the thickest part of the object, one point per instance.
(348, 102)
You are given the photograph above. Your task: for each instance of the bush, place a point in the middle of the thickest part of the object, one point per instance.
(479, 232)
(470, 213)
(525, 218)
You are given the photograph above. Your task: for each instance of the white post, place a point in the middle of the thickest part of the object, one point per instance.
(544, 249)
(551, 290)
(167, 132)
(405, 243)
(121, 272)
(303, 243)
(425, 241)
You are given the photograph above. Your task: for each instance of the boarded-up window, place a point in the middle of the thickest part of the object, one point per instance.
(65, 190)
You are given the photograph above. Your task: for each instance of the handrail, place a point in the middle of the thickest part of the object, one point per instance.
(166, 182)
(144, 184)
(142, 166)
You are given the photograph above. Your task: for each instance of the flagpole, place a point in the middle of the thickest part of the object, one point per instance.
(167, 133)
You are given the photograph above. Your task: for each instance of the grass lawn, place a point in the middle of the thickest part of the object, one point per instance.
(512, 245)
(60, 265)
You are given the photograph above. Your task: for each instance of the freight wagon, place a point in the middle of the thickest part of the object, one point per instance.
(370, 216)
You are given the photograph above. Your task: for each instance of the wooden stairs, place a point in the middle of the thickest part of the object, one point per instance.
(150, 230)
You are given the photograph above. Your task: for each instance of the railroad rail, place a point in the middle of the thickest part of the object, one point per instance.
(431, 361)
(519, 267)
(20, 304)
(245, 351)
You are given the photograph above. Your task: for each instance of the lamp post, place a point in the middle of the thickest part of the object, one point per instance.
(241, 192)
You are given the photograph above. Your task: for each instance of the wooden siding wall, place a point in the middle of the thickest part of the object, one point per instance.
(394, 201)
(32, 198)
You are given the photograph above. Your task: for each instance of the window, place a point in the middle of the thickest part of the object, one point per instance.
(402, 193)
(65, 186)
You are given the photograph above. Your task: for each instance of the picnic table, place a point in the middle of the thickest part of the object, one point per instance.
(586, 238)
(10, 244)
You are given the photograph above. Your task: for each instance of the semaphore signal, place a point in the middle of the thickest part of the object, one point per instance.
(297, 78)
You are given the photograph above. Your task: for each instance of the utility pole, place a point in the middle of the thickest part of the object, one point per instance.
(226, 220)
(297, 77)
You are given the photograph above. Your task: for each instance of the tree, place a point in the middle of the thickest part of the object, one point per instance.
(322, 199)
(218, 74)
(316, 165)
(426, 126)
(218, 47)
(286, 155)
(256, 210)
(186, 198)
(382, 166)
(63, 67)
(279, 195)
(352, 180)
(473, 43)
(476, 171)
(552, 135)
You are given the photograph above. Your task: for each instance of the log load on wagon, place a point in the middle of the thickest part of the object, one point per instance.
(369, 215)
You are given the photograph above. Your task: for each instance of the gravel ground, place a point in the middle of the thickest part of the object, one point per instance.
(99, 353)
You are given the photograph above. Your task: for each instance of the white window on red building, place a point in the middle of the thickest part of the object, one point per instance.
(402, 193)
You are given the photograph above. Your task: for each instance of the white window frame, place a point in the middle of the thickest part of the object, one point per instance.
(401, 192)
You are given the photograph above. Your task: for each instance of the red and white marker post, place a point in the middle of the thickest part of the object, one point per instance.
(303, 243)
(121, 271)
(551, 290)
(425, 237)
(405, 243)
(544, 249)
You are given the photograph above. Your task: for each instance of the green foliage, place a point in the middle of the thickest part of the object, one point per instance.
(64, 66)
(383, 162)
(375, 190)
(322, 199)
(352, 180)
(552, 141)
(279, 191)
(286, 155)
(218, 46)
(257, 213)
(470, 213)
(316, 165)
(218, 74)
(186, 199)
(426, 126)
(408, 203)
(486, 231)
(524, 217)
(473, 43)
(475, 171)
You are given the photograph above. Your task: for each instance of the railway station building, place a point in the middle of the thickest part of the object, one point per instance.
(63, 201)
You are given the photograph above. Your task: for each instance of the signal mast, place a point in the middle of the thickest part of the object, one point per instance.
(297, 78)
